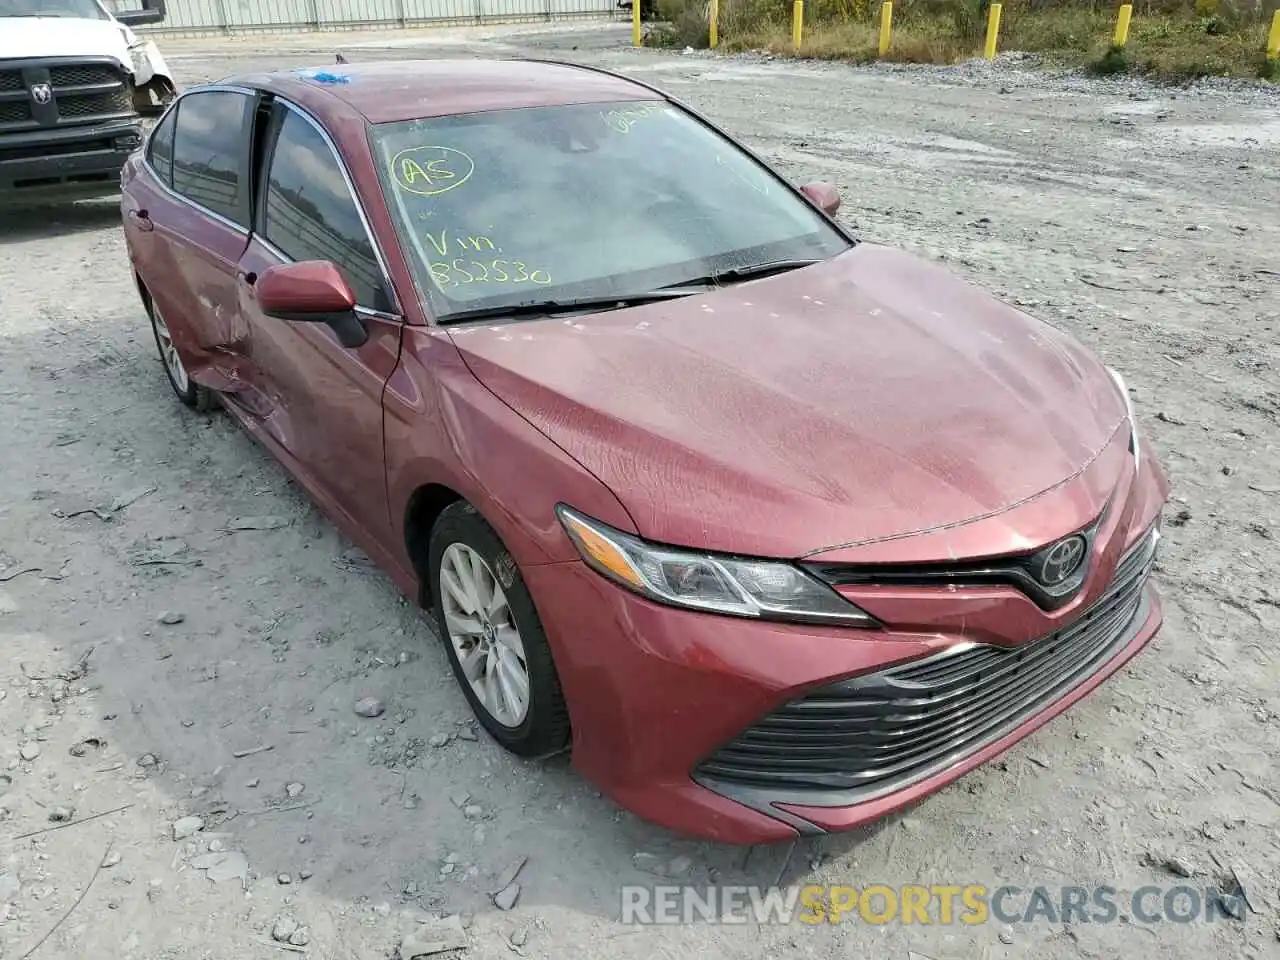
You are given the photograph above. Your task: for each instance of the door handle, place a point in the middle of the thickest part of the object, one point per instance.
(143, 220)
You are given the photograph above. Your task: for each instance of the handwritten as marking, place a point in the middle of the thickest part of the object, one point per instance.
(430, 170)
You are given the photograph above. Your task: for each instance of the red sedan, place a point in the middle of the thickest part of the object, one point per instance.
(778, 530)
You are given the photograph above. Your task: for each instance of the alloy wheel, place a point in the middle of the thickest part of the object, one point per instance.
(483, 633)
(169, 353)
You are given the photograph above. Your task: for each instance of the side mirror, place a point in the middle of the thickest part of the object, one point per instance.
(312, 291)
(824, 196)
(152, 11)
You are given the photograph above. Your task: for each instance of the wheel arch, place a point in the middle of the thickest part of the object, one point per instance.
(421, 512)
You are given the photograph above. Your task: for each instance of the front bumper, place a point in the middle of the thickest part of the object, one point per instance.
(78, 160)
(660, 699)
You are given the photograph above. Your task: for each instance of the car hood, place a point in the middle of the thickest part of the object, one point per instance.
(868, 397)
(22, 37)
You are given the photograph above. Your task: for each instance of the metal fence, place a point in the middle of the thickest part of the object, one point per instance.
(202, 17)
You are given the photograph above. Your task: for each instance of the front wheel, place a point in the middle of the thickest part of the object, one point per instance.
(493, 636)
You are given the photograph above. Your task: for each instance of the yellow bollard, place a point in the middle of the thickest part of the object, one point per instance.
(993, 32)
(715, 24)
(1273, 41)
(635, 22)
(797, 24)
(886, 25)
(1122, 25)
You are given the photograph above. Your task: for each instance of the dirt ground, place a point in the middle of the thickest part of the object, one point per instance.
(1144, 220)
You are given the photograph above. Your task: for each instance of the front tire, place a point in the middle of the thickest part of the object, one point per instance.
(493, 636)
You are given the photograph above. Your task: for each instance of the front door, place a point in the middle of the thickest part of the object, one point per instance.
(321, 401)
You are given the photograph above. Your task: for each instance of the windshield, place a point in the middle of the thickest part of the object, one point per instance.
(79, 9)
(618, 200)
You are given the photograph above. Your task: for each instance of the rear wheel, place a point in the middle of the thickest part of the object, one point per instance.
(493, 636)
(189, 392)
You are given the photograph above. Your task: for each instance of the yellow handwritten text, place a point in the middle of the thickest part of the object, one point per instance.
(461, 271)
(442, 241)
(429, 171)
(624, 120)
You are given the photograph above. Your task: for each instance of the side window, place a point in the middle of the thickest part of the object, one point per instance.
(310, 214)
(211, 152)
(160, 151)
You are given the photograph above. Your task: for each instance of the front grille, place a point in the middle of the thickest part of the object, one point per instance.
(83, 75)
(877, 733)
(83, 91)
(75, 106)
(15, 111)
(1022, 571)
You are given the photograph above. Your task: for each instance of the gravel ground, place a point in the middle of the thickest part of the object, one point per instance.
(160, 658)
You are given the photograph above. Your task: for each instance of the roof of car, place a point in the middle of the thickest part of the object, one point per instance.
(391, 90)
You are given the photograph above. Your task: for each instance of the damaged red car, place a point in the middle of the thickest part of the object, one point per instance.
(776, 530)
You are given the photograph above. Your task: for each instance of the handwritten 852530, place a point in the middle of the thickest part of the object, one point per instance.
(477, 263)
(500, 270)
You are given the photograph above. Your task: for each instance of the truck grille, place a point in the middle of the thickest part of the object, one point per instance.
(81, 91)
(14, 112)
(83, 75)
(74, 106)
(873, 734)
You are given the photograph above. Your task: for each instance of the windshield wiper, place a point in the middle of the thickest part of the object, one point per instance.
(754, 271)
(547, 308)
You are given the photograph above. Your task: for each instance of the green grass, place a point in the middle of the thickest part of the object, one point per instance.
(1178, 45)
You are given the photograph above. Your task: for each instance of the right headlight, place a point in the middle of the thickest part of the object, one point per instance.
(762, 589)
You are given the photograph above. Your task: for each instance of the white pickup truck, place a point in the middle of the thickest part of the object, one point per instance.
(75, 82)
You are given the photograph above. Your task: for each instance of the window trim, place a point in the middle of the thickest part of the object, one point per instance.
(247, 166)
(170, 111)
(259, 229)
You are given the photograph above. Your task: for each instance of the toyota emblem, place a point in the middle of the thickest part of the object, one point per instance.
(1062, 561)
(41, 92)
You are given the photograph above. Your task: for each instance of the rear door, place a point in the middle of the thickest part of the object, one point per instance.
(188, 217)
(321, 401)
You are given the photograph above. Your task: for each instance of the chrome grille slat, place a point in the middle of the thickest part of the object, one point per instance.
(901, 734)
(878, 731)
(922, 738)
